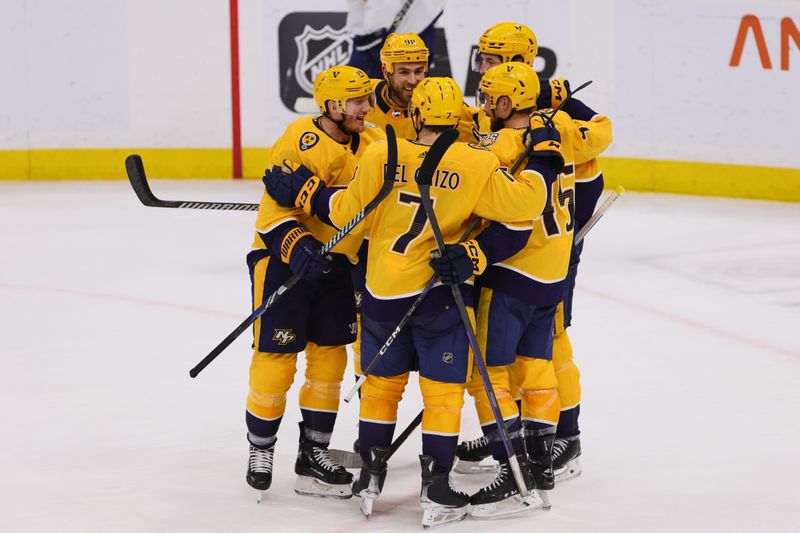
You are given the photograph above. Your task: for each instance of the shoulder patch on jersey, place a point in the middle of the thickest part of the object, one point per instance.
(489, 139)
(308, 140)
(476, 146)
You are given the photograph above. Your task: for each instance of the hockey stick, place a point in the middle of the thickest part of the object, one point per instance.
(400, 325)
(424, 180)
(549, 121)
(599, 212)
(135, 169)
(390, 170)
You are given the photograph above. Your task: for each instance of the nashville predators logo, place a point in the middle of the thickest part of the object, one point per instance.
(447, 358)
(489, 139)
(308, 140)
(284, 336)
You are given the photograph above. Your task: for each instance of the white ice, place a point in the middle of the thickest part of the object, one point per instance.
(685, 330)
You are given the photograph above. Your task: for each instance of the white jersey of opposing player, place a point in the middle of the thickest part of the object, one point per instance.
(373, 15)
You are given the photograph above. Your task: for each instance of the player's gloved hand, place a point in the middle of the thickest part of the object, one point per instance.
(294, 185)
(544, 142)
(553, 93)
(302, 252)
(459, 262)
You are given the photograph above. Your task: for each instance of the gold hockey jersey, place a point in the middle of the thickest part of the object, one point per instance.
(536, 273)
(305, 142)
(468, 183)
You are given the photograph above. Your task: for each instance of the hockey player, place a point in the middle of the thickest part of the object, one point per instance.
(468, 183)
(319, 316)
(519, 296)
(404, 63)
(588, 188)
(502, 43)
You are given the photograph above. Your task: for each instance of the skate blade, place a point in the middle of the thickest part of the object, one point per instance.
(545, 497)
(508, 507)
(439, 516)
(570, 470)
(310, 486)
(366, 503)
(259, 496)
(485, 466)
(345, 458)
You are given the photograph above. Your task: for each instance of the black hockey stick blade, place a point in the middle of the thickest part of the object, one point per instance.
(135, 170)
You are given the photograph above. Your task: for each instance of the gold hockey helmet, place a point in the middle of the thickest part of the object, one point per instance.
(439, 102)
(518, 81)
(507, 40)
(403, 48)
(341, 84)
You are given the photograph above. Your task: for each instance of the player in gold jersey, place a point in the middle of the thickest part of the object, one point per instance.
(518, 298)
(319, 315)
(502, 43)
(469, 183)
(404, 62)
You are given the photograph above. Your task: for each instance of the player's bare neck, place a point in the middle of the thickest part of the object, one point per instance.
(427, 136)
(332, 130)
(517, 120)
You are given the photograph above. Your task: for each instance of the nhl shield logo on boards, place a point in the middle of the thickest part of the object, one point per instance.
(284, 336)
(317, 50)
(308, 42)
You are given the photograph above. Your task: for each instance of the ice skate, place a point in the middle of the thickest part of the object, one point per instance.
(502, 498)
(319, 475)
(369, 483)
(441, 503)
(474, 457)
(540, 455)
(566, 459)
(259, 469)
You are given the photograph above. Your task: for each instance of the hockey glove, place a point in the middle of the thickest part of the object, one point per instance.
(293, 186)
(553, 93)
(544, 142)
(301, 251)
(459, 262)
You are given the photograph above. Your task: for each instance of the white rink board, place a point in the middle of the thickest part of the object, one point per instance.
(105, 74)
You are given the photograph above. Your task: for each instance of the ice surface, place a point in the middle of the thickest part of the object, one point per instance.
(685, 331)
